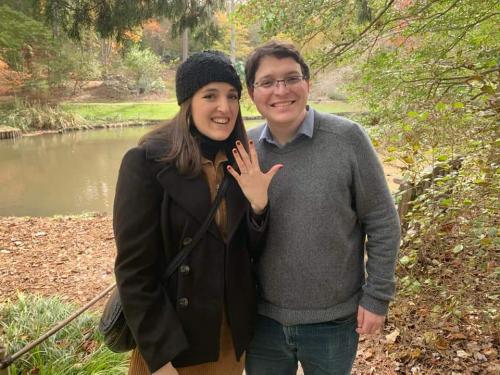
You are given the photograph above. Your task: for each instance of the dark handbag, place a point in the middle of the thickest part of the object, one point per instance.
(113, 325)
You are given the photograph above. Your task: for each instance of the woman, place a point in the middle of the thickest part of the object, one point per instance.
(202, 321)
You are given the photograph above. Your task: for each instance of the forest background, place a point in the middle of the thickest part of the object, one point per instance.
(422, 76)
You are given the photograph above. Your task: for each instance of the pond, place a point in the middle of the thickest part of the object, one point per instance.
(62, 174)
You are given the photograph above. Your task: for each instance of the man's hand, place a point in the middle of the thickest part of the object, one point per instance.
(168, 369)
(369, 322)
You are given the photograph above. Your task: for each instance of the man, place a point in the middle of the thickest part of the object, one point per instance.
(329, 205)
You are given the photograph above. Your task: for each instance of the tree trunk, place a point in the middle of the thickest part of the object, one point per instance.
(233, 32)
(185, 44)
(106, 47)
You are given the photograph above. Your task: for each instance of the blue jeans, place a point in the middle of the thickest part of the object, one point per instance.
(323, 349)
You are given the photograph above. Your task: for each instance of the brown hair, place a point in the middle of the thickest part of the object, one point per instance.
(277, 49)
(183, 149)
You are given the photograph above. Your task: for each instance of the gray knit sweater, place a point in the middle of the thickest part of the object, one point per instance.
(330, 196)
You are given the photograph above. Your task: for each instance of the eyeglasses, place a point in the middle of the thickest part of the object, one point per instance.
(268, 83)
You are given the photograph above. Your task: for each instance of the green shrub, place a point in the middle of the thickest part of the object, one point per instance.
(76, 349)
(158, 86)
(36, 116)
(72, 64)
(145, 68)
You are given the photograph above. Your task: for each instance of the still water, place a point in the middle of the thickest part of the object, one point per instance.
(61, 174)
(66, 173)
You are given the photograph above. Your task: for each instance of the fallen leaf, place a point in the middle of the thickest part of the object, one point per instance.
(415, 353)
(441, 343)
(480, 357)
(391, 337)
(491, 352)
(457, 336)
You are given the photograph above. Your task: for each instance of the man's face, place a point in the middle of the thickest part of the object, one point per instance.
(282, 106)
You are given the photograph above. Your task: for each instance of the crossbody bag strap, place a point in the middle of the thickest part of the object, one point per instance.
(183, 254)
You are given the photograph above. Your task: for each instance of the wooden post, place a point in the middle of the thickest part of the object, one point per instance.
(7, 132)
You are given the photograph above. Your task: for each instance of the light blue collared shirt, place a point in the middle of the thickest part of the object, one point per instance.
(306, 128)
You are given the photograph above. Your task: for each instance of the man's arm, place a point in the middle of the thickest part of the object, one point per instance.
(380, 222)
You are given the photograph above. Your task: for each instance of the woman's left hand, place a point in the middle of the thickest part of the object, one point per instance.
(253, 182)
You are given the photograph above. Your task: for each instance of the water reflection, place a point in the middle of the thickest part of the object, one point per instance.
(62, 174)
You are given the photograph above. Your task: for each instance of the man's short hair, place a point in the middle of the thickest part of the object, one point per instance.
(280, 50)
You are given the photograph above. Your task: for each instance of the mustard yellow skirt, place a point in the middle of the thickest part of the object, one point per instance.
(225, 365)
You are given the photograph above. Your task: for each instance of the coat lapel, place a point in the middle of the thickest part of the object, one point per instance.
(193, 194)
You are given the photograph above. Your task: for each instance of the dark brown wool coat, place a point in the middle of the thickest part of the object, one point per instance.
(157, 212)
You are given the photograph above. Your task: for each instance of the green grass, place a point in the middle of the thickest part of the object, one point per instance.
(123, 111)
(166, 110)
(76, 349)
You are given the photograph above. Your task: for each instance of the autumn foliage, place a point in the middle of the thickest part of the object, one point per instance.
(10, 80)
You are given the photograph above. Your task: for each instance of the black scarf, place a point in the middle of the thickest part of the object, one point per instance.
(209, 147)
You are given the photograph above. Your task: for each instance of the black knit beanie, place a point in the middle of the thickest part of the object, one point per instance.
(202, 68)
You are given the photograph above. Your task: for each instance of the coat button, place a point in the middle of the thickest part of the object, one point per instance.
(184, 269)
(183, 302)
(186, 241)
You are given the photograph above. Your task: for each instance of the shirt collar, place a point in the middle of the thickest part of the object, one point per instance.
(306, 128)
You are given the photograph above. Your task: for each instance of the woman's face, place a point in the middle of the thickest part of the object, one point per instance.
(214, 109)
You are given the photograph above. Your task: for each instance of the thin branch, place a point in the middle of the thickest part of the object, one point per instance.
(343, 47)
(467, 28)
(459, 79)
